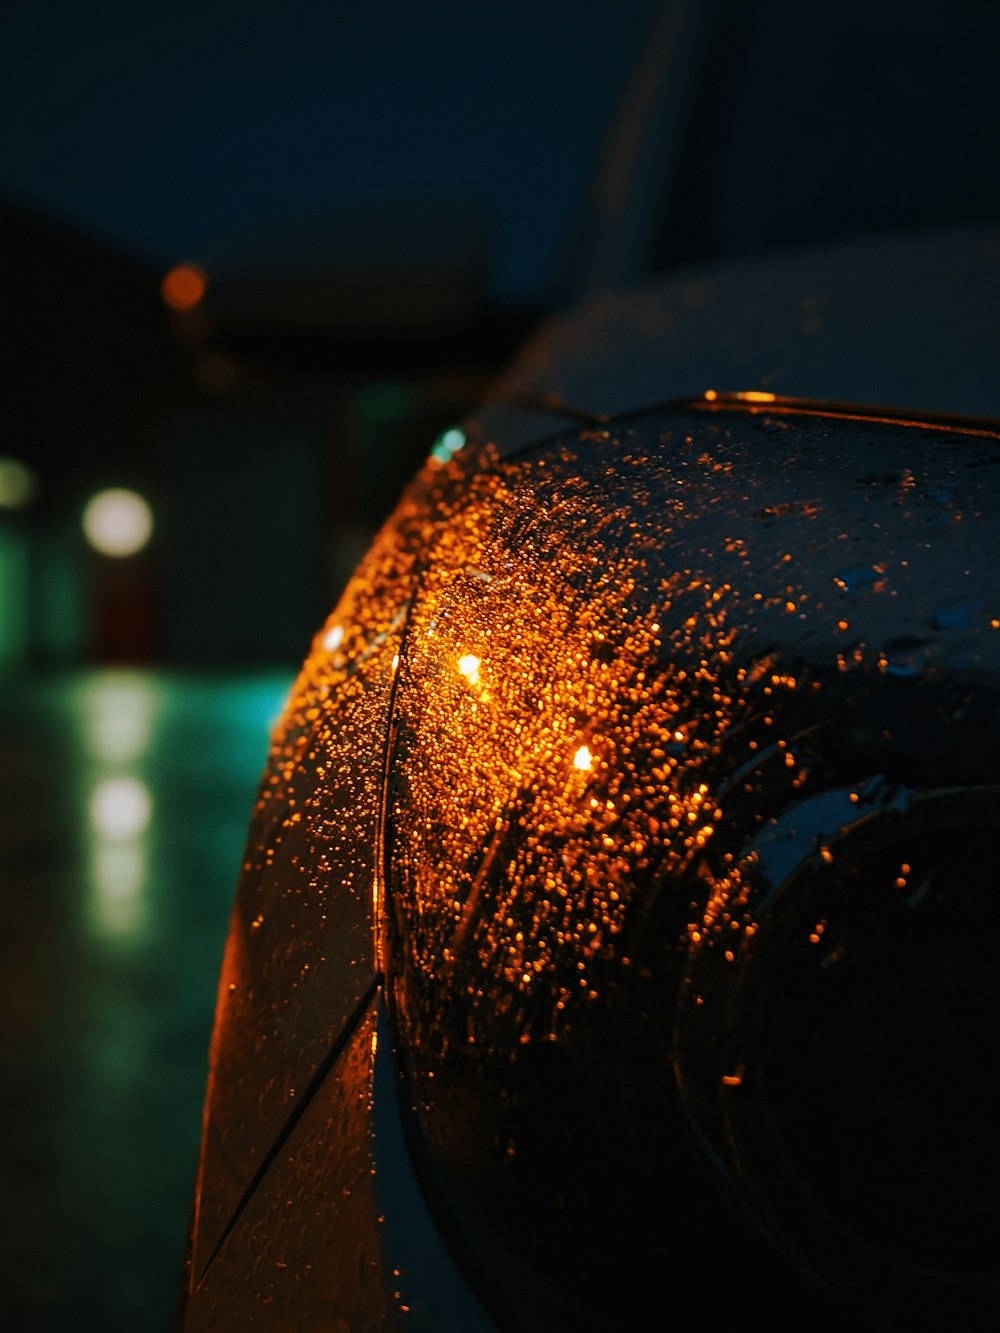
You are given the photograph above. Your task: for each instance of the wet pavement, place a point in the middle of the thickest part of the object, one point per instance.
(124, 801)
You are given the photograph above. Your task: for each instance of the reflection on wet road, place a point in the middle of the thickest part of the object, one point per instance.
(125, 802)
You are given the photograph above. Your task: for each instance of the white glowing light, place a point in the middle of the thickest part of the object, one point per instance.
(119, 717)
(333, 638)
(583, 759)
(469, 667)
(118, 522)
(118, 908)
(120, 808)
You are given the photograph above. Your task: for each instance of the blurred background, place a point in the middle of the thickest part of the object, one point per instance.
(255, 258)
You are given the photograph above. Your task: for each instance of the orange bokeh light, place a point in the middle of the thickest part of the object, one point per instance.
(184, 286)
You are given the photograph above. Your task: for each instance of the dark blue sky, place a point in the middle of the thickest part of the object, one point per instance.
(189, 129)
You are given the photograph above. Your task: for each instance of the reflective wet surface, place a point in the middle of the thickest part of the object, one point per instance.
(662, 757)
(657, 681)
(124, 809)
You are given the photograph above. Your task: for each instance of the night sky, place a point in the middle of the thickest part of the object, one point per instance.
(191, 130)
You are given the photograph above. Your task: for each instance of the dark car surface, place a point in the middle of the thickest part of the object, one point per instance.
(630, 825)
(613, 946)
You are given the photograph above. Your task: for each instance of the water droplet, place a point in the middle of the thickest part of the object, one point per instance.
(856, 577)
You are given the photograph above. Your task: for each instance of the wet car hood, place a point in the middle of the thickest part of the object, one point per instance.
(596, 698)
(903, 321)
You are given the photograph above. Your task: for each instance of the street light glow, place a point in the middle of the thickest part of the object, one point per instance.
(184, 286)
(117, 522)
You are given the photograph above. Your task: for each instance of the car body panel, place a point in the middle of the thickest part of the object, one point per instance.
(669, 665)
(616, 692)
(298, 960)
(319, 1192)
(906, 321)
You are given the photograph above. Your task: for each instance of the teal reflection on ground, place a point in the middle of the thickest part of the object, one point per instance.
(125, 802)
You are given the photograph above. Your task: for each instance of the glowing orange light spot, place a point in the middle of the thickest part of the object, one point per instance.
(732, 1080)
(184, 286)
(583, 759)
(710, 395)
(757, 396)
